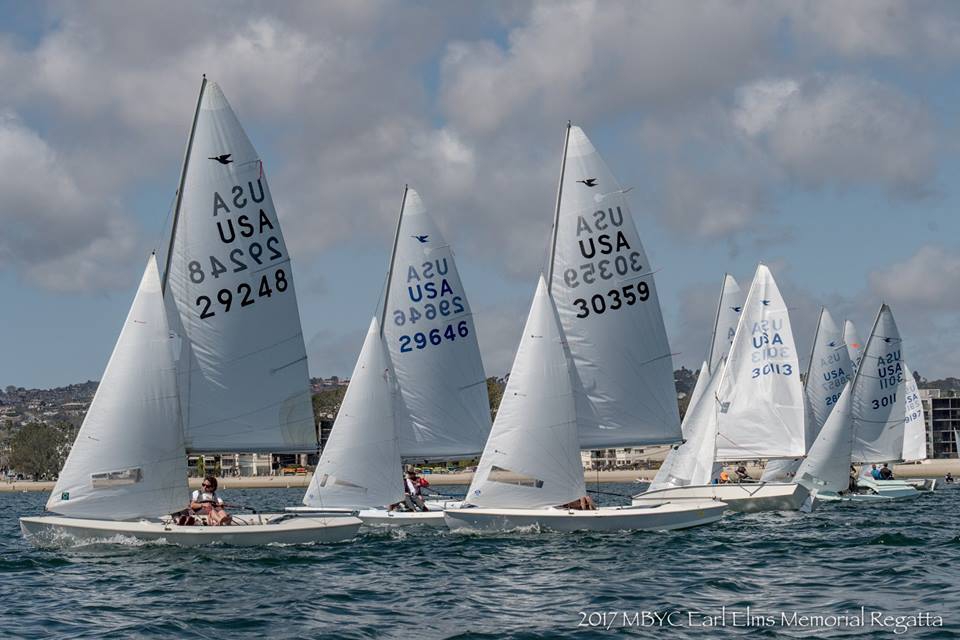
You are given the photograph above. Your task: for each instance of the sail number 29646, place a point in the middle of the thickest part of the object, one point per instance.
(435, 337)
(614, 299)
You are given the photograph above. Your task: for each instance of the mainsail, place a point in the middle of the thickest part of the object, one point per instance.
(360, 464)
(830, 369)
(534, 437)
(128, 459)
(854, 345)
(603, 286)
(878, 407)
(432, 340)
(914, 425)
(760, 395)
(244, 381)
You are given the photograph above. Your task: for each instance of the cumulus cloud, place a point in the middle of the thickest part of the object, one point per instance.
(58, 234)
(930, 279)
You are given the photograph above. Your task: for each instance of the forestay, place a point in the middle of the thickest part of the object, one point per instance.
(244, 371)
(854, 345)
(914, 426)
(360, 464)
(830, 369)
(692, 462)
(604, 290)
(534, 436)
(432, 341)
(878, 407)
(128, 460)
(761, 398)
(827, 465)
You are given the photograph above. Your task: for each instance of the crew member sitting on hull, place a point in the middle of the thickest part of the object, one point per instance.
(724, 477)
(852, 485)
(742, 475)
(886, 473)
(205, 500)
(874, 472)
(583, 503)
(413, 492)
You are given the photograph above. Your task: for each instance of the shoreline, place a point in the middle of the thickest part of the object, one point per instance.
(935, 468)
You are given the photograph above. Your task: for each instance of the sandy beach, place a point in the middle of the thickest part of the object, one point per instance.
(928, 469)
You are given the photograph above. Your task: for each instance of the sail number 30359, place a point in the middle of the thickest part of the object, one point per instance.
(244, 295)
(613, 300)
(434, 337)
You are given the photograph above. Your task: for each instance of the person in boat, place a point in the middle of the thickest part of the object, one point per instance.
(948, 478)
(206, 501)
(413, 492)
(852, 484)
(742, 475)
(724, 477)
(886, 473)
(583, 503)
(874, 472)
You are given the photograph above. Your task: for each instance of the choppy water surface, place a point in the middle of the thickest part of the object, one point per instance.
(900, 559)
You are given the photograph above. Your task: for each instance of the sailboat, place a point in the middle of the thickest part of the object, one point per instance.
(418, 391)
(854, 345)
(866, 426)
(914, 431)
(211, 358)
(593, 369)
(828, 371)
(758, 411)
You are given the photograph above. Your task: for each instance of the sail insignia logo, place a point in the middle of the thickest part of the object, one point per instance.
(590, 182)
(737, 309)
(223, 158)
(766, 303)
(422, 239)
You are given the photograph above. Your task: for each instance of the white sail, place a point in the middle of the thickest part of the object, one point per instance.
(534, 437)
(761, 398)
(827, 465)
(854, 345)
(692, 462)
(878, 407)
(914, 425)
(703, 379)
(603, 287)
(729, 309)
(429, 330)
(360, 464)
(244, 376)
(830, 369)
(128, 460)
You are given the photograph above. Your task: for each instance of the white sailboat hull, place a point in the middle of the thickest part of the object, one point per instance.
(660, 517)
(47, 531)
(384, 518)
(895, 489)
(745, 497)
(922, 484)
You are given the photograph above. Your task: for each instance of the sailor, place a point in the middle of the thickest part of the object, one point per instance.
(852, 485)
(724, 477)
(205, 500)
(874, 472)
(413, 492)
(583, 503)
(948, 478)
(742, 475)
(886, 473)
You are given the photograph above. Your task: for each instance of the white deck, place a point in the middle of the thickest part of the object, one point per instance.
(660, 517)
(747, 497)
(248, 531)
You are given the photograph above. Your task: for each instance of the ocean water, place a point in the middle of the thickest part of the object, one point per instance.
(900, 560)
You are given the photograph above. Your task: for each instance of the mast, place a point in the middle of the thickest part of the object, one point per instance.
(556, 212)
(716, 321)
(393, 257)
(183, 177)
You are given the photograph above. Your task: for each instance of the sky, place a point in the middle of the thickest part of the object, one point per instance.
(820, 138)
